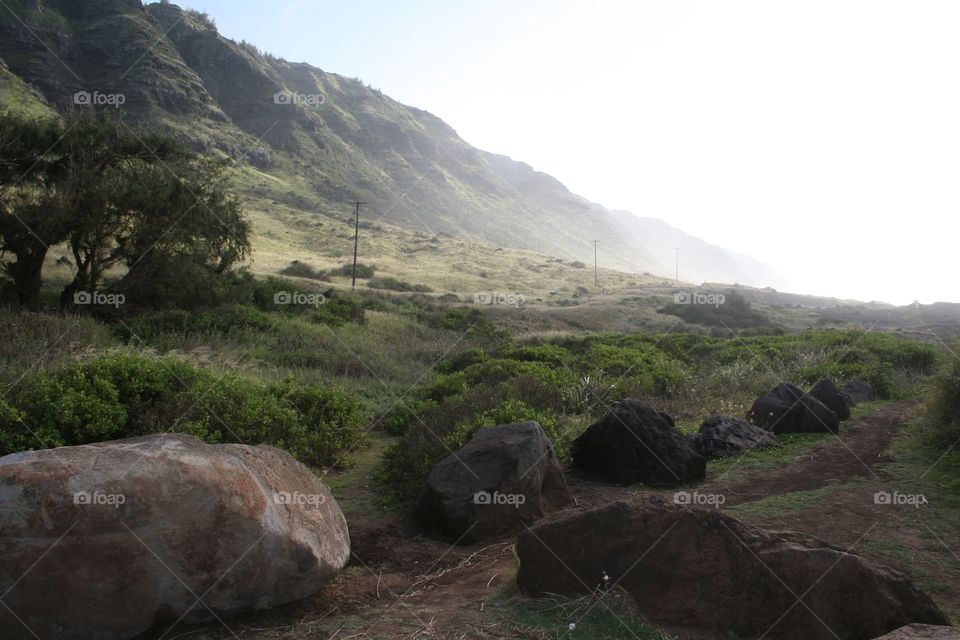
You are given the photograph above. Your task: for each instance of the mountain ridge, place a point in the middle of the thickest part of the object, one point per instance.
(175, 70)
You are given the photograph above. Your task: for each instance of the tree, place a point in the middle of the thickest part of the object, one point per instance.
(31, 218)
(115, 197)
(189, 231)
(100, 157)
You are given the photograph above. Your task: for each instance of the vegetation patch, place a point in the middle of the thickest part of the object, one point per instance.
(393, 284)
(566, 383)
(124, 394)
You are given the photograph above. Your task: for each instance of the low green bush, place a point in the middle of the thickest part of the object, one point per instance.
(364, 271)
(123, 394)
(393, 284)
(943, 407)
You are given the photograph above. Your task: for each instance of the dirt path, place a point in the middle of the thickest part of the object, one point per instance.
(854, 453)
(403, 584)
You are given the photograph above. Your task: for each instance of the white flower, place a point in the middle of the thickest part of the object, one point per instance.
(572, 626)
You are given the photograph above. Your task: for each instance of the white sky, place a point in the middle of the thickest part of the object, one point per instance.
(822, 137)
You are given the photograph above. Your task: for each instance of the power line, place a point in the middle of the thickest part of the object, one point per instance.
(596, 278)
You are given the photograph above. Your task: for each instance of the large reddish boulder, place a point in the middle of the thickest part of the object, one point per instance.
(106, 540)
(693, 567)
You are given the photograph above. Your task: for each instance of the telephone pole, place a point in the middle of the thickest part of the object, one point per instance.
(356, 242)
(678, 265)
(596, 278)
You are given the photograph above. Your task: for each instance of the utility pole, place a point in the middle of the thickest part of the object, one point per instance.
(596, 278)
(678, 265)
(356, 242)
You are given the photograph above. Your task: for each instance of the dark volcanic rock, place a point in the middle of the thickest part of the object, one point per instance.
(505, 476)
(700, 568)
(787, 409)
(832, 398)
(636, 443)
(725, 435)
(859, 391)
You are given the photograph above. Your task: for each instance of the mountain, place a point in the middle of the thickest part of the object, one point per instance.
(323, 139)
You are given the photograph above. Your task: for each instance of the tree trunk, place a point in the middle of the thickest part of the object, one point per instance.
(27, 275)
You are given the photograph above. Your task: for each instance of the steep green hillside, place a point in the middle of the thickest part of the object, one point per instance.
(320, 140)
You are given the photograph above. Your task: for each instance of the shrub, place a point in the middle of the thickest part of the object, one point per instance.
(334, 421)
(364, 271)
(124, 394)
(943, 407)
(219, 321)
(297, 269)
(78, 408)
(393, 284)
(339, 311)
(734, 313)
(404, 414)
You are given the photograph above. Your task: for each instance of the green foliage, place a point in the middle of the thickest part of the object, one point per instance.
(601, 615)
(568, 382)
(393, 284)
(734, 313)
(334, 422)
(470, 322)
(115, 197)
(297, 269)
(403, 414)
(363, 271)
(943, 407)
(338, 311)
(219, 321)
(124, 394)
(16, 436)
(509, 411)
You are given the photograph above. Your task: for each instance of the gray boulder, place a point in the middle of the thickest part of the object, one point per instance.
(504, 477)
(721, 436)
(859, 391)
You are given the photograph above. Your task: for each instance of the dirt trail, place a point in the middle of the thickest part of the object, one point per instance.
(403, 584)
(855, 452)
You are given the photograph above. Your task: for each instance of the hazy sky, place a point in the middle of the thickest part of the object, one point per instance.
(820, 137)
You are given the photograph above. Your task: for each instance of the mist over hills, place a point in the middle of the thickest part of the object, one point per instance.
(335, 138)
